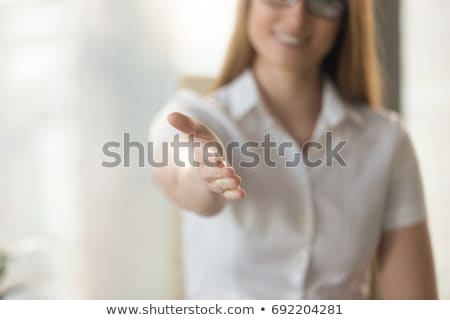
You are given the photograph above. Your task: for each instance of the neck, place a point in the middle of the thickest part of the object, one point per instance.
(290, 93)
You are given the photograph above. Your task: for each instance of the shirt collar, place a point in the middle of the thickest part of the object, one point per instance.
(335, 110)
(244, 96)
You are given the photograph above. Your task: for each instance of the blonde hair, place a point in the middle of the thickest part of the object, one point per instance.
(353, 63)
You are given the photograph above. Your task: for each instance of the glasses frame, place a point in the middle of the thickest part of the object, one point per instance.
(290, 3)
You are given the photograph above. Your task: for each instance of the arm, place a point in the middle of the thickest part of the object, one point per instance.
(406, 269)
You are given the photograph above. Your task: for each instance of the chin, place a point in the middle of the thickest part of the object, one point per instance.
(291, 63)
(291, 58)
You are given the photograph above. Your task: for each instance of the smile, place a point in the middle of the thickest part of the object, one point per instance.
(290, 40)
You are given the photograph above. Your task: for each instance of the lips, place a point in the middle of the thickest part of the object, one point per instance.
(291, 40)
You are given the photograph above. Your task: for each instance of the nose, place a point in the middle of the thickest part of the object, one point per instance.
(297, 14)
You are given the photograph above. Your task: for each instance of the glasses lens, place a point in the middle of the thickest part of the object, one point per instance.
(323, 8)
(326, 8)
(279, 3)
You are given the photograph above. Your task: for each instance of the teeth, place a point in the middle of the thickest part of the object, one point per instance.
(290, 40)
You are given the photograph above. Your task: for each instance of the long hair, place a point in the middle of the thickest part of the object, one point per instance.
(353, 64)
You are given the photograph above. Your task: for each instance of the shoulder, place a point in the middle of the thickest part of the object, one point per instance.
(188, 99)
(384, 123)
(385, 134)
(201, 107)
(208, 109)
(231, 100)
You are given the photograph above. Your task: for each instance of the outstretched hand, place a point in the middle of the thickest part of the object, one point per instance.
(217, 175)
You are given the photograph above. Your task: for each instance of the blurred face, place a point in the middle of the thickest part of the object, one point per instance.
(293, 34)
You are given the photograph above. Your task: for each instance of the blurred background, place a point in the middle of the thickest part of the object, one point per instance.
(75, 74)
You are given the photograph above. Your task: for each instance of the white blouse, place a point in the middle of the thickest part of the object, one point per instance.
(301, 232)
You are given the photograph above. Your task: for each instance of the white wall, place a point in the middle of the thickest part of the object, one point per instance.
(75, 74)
(426, 103)
(199, 30)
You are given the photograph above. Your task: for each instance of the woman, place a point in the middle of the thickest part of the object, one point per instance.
(304, 72)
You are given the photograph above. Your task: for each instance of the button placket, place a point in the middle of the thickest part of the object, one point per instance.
(305, 252)
(303, 176)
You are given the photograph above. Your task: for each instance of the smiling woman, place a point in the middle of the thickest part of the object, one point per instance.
(299, 69)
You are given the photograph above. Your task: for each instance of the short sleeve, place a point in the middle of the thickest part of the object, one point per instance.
(406, 203)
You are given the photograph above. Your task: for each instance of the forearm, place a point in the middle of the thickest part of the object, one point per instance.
(406, 265)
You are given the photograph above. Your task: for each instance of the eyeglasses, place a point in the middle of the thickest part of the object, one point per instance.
(329, 9)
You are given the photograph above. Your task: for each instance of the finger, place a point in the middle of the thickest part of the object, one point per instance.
(235, 194)
(212, 173)
(224, 184)
(228, 172)
(215, 161)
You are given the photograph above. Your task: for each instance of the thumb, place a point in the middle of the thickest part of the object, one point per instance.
(190, 126)
(198, 130)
